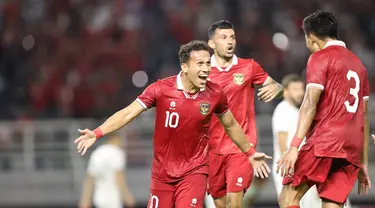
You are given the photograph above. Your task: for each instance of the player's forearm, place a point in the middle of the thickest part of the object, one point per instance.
(121, 118)
(87, 190)
(124, 189)
(307, 114)
(237, 135)
(280, 87)
(366, 133)
(282, 140)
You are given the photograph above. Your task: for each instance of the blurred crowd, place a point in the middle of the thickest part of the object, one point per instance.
(76, 58)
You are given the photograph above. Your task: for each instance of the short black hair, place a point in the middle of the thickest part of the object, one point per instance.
(291, 78)
(186, 49)
(221, 24)
(321, 24)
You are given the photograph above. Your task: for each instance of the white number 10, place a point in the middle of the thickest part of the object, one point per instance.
(171, 119)
(353, 91)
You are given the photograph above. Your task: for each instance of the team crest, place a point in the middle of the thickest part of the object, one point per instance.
(238, 78)
(205, 108)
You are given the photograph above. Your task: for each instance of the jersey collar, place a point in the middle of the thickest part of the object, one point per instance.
(214, 64)
(179, 83)
(335, 43)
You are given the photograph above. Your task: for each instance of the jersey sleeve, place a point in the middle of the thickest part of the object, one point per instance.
(366, 88)
(92, 165)
(148, 98)
(118, 160)
(316, 72)
(222, 107)
(280, 122)
(259, 76)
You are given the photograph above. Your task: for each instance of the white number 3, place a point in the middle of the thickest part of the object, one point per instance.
(353, 91)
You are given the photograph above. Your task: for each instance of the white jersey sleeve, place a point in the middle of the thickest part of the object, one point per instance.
(280, 121)
(92, 167)
(118, 159)
(106, 158)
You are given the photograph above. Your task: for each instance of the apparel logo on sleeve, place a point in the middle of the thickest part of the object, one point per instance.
(238, 78)
(194, 202)
(172, 105)
(239, 181)
(204, 108)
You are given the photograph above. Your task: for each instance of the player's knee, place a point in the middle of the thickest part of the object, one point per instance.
(284, 200)
(234, 204)
(235, 201)
(281, 200)
(220, 202)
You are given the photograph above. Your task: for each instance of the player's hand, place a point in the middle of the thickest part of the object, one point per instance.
(269, 92)
(129, 202)
(258, 161)
(84, 204)
(287, 161)
(85, 141)
(373, 138)
(364, 183)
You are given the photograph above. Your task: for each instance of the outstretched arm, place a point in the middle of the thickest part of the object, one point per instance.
(113, 123)
(234, 131)
(121, 118)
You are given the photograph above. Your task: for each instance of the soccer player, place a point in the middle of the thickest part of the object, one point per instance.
(332, 117)
(229, 174)
(184, 106)
(105, 182)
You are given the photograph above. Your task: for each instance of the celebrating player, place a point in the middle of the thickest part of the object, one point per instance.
(229, 174)
(184, 106)
(332, 116)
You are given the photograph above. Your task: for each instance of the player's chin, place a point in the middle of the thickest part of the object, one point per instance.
(201, 83)
(229, 54)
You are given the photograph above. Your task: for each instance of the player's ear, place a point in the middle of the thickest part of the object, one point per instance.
(211, 44)
(184, 67)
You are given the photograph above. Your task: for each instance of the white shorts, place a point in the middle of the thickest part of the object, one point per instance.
(209, 201)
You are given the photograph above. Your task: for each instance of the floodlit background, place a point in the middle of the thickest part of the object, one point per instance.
(69, 64)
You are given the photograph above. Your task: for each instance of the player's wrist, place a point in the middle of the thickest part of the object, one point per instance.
(98, 133)
(296, 142)
(251, 151)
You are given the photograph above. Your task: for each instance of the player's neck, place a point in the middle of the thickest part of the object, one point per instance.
(113, 143)
(290, 101)
(188, 85)
(324, 42)
(222, 62)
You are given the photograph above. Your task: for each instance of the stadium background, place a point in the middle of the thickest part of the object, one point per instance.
(69, 64)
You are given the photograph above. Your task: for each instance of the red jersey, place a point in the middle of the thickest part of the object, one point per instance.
(337, 129)
(237, 82)
(181, 127)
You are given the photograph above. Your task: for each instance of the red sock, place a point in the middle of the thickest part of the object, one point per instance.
(294, 206)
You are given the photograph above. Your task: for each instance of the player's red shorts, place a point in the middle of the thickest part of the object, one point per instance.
(188, 192)
(333, 177)
(228, 173)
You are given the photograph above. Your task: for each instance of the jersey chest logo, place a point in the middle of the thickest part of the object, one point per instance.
(238, 78)
(204, 108)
